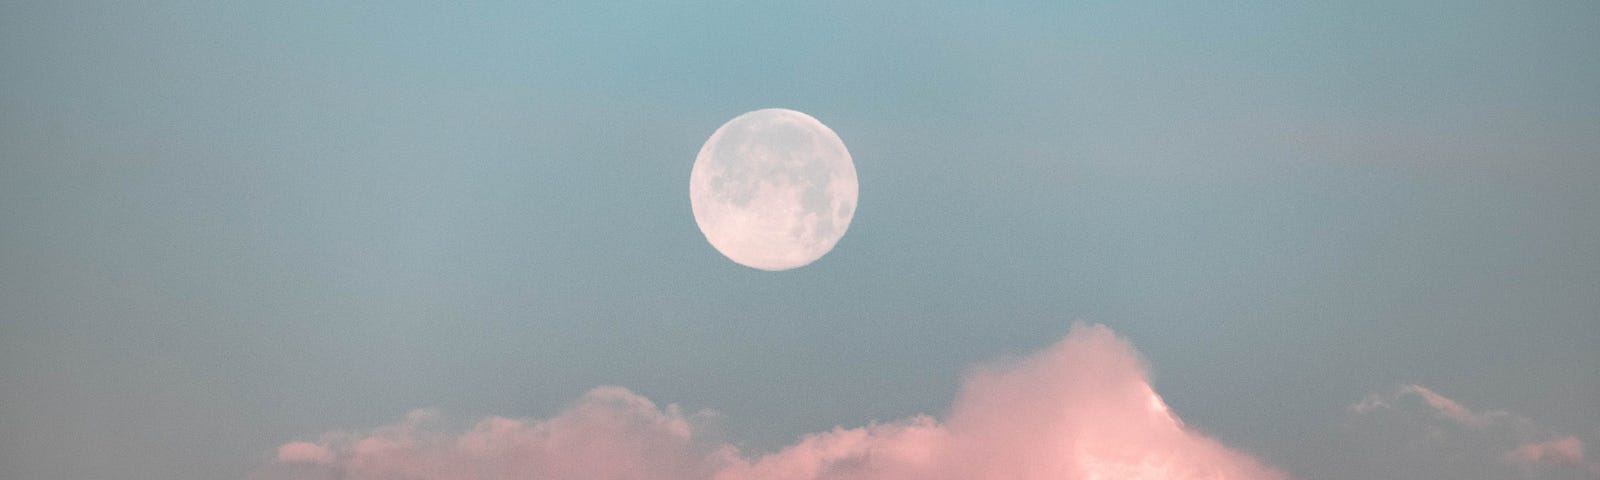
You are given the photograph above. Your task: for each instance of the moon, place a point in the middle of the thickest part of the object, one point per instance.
(773, 189)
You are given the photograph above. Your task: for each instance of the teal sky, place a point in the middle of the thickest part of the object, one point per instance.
(226, 226)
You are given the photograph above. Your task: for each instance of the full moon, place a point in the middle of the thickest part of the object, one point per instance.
(773, 189)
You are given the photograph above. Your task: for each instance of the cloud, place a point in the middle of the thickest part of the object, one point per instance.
(1561, 451)
(609, 433)
(1416, 432)
(1439, 404)
(1081, 409)
(305, 452)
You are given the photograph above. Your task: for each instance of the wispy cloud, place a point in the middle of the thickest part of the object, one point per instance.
(1562, 451)
(1428, 435)
(1439, 404)
(1081, 409)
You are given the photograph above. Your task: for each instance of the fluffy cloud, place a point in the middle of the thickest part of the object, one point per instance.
(1415, 432)
(1081, 409)
(609, 433)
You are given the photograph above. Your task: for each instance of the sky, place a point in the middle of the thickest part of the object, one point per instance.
(370, 240)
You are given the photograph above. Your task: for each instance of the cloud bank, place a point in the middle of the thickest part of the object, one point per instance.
(1081, 409)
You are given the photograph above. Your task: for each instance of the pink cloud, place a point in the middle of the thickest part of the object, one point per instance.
(609, 433)
(1448, 407)
(1081, 409)
(1561, 451)
(305, 452)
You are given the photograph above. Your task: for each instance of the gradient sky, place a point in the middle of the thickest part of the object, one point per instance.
(226, 227)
